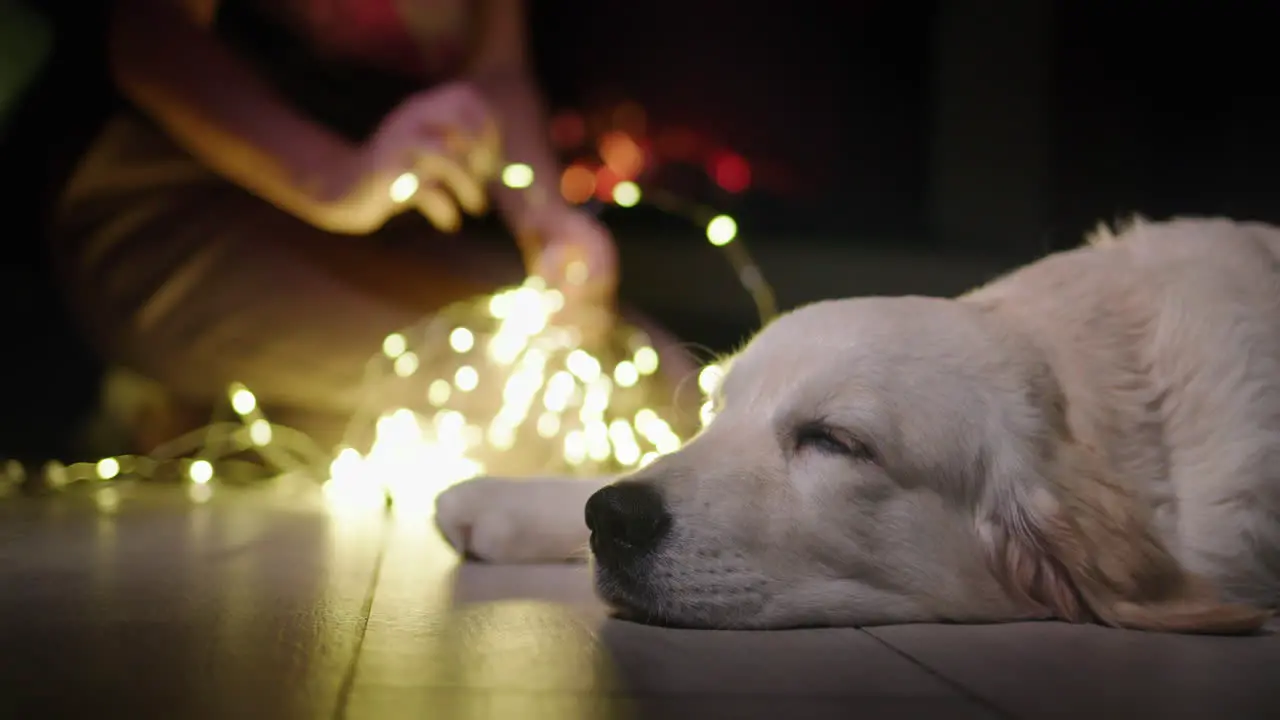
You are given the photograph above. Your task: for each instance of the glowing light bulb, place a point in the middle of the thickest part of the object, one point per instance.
(644, 418)
(707, 413)
(461, 340)
(394, 345)
(646, 360)
(449, 422)
(621, 434)
(438, 392)
(200, 472)
(107, 468)
(722, 230)
(596, 400)
(517, 176)
(501, 436)
(260, 432)
(404, 187)
(554, 301)
(466, 378)
(626, 374)
(667, 444)
(628, 455)
(558, 391)
(500, 305)
(242, 401)
(548, 425)
(345, 465)
(575, 447)
(406, 364)
(596, 435)
(581, 363)
(709, 379)
(626, 194)
(15, 472)
(55, 473)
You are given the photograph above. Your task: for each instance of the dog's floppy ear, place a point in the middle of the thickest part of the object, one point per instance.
(1082, 548)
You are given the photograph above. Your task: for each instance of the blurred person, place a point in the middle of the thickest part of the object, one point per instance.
(236, 221)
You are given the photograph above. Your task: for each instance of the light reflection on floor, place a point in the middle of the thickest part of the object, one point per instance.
(458, 639)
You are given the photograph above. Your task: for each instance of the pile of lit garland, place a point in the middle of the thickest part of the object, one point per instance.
(491, 386)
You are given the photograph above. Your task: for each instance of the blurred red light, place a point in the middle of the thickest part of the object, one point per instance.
(731, 172)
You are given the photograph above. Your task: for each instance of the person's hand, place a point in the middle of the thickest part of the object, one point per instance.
(434, 153)
(572, 251)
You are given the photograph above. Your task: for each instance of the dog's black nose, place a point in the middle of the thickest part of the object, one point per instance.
(628, 518)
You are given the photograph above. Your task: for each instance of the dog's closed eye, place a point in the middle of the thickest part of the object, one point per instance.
(828, 440)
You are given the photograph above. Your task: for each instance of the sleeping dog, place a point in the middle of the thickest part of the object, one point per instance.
(1094, 438)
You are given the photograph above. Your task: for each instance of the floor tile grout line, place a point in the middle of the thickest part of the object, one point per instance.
(349, 677)
(949, 682)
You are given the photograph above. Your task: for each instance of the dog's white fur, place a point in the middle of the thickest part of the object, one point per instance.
(1094, 437)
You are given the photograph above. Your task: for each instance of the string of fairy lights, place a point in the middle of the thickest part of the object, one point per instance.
(495, 385)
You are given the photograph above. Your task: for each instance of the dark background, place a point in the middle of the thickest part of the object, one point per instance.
(908, 147)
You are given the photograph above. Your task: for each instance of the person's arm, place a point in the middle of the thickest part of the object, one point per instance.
(501, 69)
(164, 57)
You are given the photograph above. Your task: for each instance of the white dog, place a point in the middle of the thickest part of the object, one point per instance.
(1094, 437)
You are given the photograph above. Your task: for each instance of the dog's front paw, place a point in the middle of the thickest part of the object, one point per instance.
(505, 520)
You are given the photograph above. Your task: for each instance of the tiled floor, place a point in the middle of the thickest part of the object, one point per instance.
(259, 605)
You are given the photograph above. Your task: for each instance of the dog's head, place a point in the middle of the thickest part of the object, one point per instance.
(888, 460)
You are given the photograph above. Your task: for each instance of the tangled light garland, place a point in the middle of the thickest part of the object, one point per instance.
(505, 392)
(498, 385)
